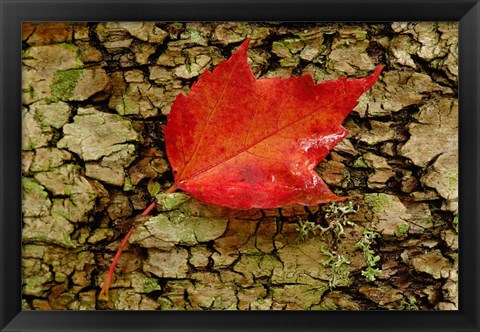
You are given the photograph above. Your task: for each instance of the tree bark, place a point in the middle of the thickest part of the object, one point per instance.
(95, 98)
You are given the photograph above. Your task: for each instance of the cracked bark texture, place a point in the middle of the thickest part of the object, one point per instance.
(95, 98)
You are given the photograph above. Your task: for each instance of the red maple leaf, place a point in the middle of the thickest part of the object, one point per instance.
(242, 142)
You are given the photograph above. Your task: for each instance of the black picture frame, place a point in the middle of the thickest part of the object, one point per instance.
(13, 12)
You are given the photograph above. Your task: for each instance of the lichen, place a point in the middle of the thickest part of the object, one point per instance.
(455, 223)
(70, 47)
(150, 285)
(127, 107)
(170, 201)
(128, 186)
(306, 229)
(402, 230)
(378, 201)
(453, 180)
(64, 83)
(371, 271)
(360, 163)
(409, 303)
(339, 271)
(29, 185)
(35, 199)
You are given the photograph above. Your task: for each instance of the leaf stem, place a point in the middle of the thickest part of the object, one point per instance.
(172, 188)
(148, 209)
(108, 279)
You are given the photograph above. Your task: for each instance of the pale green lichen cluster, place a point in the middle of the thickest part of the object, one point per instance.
(336, 216)
(409, 303)
(338, 264)
(371, 272)
(306, 229)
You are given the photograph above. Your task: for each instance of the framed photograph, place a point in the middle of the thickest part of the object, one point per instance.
(241, 165)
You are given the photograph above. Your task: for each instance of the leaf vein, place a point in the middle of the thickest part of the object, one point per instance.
(244, 149)
(210, 115)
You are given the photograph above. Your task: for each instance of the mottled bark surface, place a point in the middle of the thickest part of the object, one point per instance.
(95, 98)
